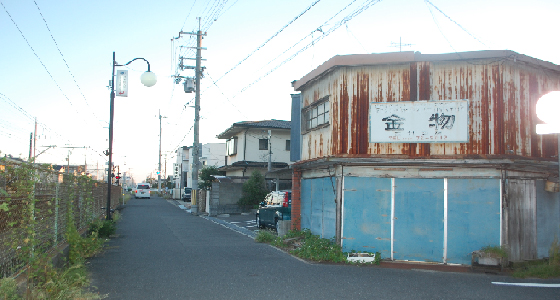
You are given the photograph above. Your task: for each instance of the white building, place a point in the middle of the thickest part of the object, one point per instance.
(212, 154)
(247, 147)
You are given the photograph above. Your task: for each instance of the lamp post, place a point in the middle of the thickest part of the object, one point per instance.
(148, 79)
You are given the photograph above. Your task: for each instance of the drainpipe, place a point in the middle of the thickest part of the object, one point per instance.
(245, 149)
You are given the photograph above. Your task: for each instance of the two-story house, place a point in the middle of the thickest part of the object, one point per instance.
(251, 145)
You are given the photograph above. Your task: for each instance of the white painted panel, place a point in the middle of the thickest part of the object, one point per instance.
(419, 121)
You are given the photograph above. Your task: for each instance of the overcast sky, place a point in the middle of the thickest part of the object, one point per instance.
(56, 56)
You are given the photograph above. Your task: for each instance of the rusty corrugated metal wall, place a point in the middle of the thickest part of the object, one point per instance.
(502, 117)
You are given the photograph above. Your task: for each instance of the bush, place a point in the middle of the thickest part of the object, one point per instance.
(8, 289)
(254, 190)
(265, 236)
(104, 228)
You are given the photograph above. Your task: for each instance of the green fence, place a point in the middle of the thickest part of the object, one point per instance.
(36, 206)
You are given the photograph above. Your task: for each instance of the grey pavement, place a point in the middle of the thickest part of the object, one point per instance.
(163, 252)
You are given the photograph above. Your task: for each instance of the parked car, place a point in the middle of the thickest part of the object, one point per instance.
(276, 206)
(142, 190)
(187, 194)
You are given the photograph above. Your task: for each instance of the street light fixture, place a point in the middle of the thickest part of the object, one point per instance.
(547, 109)
(148, 79)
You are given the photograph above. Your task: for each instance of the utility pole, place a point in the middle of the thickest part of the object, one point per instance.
(196, 147)
(30, 145)
(269, 151)
(35, 139)
(159, 167)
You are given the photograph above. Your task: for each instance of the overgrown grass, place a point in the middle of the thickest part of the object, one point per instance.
(44, 281)
(265, 236)
(550, 269)
(306, 245)
(8, 289)
(495, 251)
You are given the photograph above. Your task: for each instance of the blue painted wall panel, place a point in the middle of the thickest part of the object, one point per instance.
(418, 221)
(473, 218)
(328, 227)
(548, 219)
(318, 209)
(305, 203)
(367, 215)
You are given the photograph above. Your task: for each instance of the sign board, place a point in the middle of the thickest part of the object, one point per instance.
(176, 171)
(419, 122)
(122, 83)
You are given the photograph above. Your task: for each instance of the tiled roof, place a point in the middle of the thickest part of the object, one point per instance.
(265, 123)
(272, 124)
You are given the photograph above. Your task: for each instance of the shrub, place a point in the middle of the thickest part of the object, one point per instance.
(265, 236)
(254, 190)
(8, 289)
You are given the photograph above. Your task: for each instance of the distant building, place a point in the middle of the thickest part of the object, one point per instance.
(212, 154)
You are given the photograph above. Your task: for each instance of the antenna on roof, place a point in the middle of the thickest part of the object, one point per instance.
(400, 44)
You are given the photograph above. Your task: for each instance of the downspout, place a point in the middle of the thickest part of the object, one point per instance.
(245, 149)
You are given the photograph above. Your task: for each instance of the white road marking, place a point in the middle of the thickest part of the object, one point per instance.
(553, 285)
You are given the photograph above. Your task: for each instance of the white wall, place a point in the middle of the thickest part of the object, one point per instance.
(252, 152)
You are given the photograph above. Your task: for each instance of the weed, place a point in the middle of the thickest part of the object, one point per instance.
(545, 270)
(495, 251)
(319, 249)
(265, 236)
(8, 289)
(104, 228)
(116, 216)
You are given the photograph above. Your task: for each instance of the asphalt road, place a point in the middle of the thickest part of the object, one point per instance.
(163, 252)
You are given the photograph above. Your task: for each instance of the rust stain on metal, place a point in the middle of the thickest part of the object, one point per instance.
(424, 87)
(413, 82)
(502, 98)
(343, 116)
(321, 145)
(360, 115)
(498, 110)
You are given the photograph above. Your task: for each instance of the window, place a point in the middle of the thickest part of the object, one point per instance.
(316, 115)
(263, 144)
(287, 145)
(231, 146)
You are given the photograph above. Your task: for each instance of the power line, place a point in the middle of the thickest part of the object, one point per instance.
(459, 25)
(346, 19)
(65, 62)
(310, 34)
(269, 39)
(33, 50)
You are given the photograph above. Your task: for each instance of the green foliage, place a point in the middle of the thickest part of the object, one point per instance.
(550, 269)
(103, 228)
(43, 281)
(8, 289)
(205, 177)
(319, 249)
(254, 190)
(265, 236)
(495, 251)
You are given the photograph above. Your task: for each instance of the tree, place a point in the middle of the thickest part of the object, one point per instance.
(254, 190)
(205, 177)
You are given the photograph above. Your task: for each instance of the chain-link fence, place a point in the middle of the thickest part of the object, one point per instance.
(36, 206)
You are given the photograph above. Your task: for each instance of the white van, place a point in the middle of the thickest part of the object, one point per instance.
(142, 190)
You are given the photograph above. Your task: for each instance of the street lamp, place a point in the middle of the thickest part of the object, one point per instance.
(547, 110)
(148, 79)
